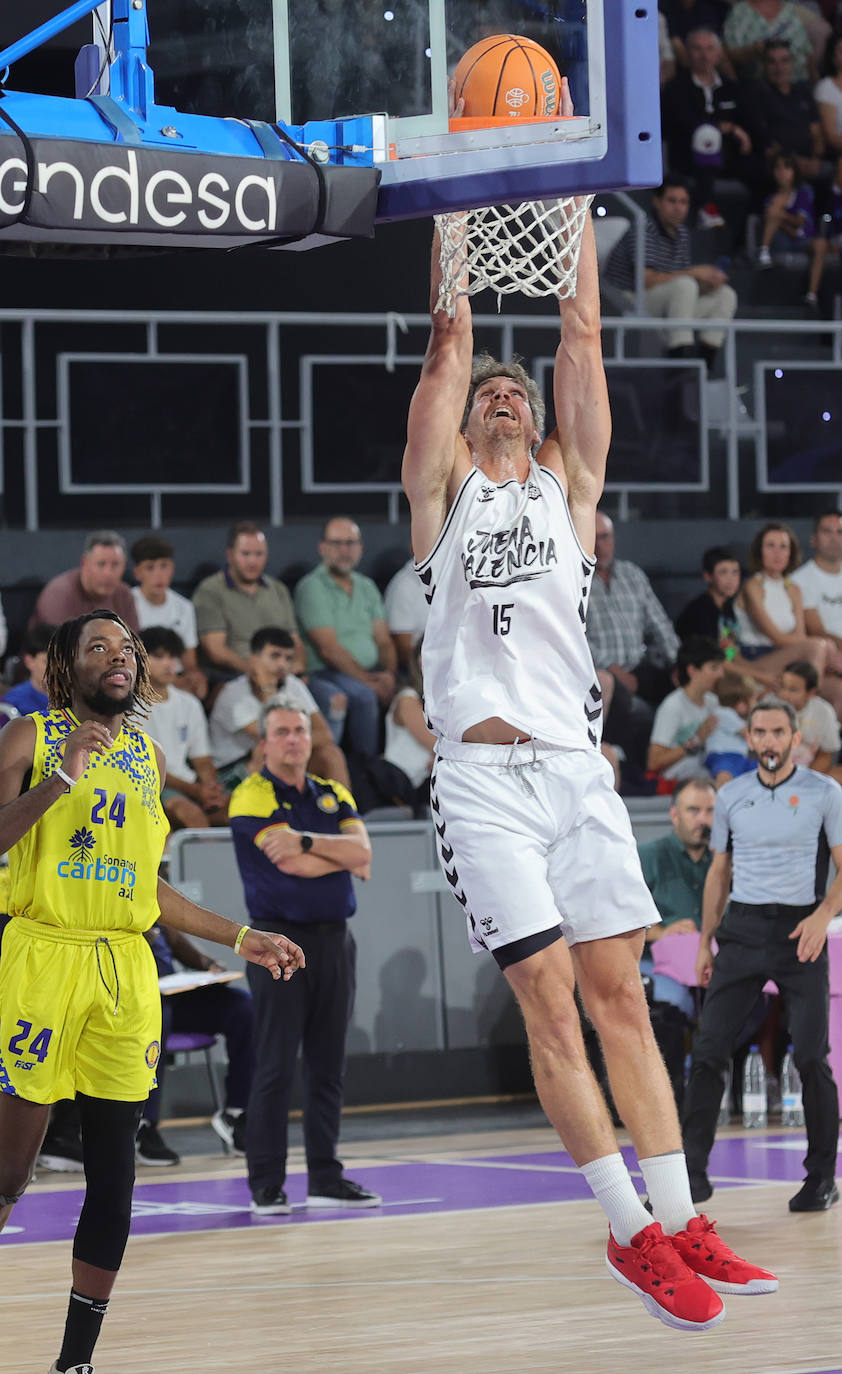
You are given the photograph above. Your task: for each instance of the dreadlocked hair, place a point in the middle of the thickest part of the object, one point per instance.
(61, 656)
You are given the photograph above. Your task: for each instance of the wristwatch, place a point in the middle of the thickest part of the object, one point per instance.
(306, 843)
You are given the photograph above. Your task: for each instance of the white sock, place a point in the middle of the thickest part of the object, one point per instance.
(668, 1187)
(610, 1182)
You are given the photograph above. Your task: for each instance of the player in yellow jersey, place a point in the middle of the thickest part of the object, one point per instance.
(81, 818)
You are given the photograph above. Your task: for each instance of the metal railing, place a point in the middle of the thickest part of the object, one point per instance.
(37, 366)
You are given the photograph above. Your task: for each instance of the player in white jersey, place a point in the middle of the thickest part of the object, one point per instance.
(533, 840)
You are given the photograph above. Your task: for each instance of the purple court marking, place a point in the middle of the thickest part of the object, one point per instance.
(409, 1188)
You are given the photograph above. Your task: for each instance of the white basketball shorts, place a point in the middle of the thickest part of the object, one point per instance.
(530, 838)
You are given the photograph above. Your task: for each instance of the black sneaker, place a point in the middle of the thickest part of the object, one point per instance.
(815, 1195)
(270, 1202)
(63, 1156)
(701, 1187)
(343, 1193)
(151, 1148)
(230, 1126)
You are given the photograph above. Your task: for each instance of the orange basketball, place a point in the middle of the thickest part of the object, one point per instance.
(507, 76)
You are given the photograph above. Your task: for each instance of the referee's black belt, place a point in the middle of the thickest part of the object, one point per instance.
(772, 910)
(301, 927)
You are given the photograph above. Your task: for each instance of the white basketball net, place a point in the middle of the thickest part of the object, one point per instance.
(532, 248)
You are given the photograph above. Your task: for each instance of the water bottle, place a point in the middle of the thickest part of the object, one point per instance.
(792, 1110)
(724, 1118)
(754, 1090)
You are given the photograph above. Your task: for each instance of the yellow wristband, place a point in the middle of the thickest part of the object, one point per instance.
(241, 935)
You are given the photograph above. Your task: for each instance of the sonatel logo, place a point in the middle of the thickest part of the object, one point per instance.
(104, 869)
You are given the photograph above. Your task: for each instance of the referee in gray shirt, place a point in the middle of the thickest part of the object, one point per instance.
(773, 833)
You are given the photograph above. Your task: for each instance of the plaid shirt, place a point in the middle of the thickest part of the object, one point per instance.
(626, 621)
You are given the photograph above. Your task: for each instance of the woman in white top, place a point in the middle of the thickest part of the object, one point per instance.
(828, 95)
(409, 742)
(770, 611)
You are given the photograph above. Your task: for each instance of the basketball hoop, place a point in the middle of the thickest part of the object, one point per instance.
(532, 248)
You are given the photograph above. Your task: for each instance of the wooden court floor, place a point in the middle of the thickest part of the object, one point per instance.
(512, 1281)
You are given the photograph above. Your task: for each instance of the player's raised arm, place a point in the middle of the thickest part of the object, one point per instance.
(436, 457)
(579, 443)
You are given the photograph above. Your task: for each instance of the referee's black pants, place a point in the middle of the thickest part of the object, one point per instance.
(310, 1012)
(753, 947)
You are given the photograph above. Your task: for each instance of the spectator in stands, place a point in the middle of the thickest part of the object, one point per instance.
(706, 126)
(674, 285)
(712, 613)
(674, 868)
(632, 640)
(828, 96)
(406, 612)
(234, 720)
(349, 648)
(686, 717)
(816, 720)
(789, 215)
(684, 16)
(770, 610)
(786, 114)
(31, 694)
(727, 753)
(217, 1009)
(193, 796)
(235, 603)
(157, 604)
(753, 25)
(409, 743)
(820, 580)
(97, 584)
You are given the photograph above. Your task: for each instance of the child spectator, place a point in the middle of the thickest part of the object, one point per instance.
(816, 719)
(157, 604)
(686, 717)
(31, 695)
(727, 746)
(193, 796)
(789, 217)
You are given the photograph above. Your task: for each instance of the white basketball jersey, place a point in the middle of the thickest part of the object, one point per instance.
(507, 584)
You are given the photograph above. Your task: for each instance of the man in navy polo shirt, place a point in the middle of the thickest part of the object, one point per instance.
(773, 832)
(298, 839)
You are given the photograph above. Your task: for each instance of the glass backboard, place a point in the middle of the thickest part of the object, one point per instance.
(367, 81)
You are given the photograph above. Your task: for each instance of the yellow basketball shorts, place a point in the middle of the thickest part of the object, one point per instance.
(80, 1011)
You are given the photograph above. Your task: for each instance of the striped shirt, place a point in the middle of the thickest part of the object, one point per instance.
(663, 252)
(626, 621)
(779, 837)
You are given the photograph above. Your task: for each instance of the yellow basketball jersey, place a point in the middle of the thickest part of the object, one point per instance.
(91, 861)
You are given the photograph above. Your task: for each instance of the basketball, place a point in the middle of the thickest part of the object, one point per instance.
(507, 76)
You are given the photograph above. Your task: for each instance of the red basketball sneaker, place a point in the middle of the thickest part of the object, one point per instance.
(653, 1268)
(709, 1257)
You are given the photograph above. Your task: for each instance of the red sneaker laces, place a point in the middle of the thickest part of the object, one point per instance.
(656, 1252)
(720, 1252)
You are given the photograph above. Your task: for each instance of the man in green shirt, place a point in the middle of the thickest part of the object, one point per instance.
(675, 867)
(349, 648)
(232, 605)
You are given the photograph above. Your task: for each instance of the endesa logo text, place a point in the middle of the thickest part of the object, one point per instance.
(105, 188)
